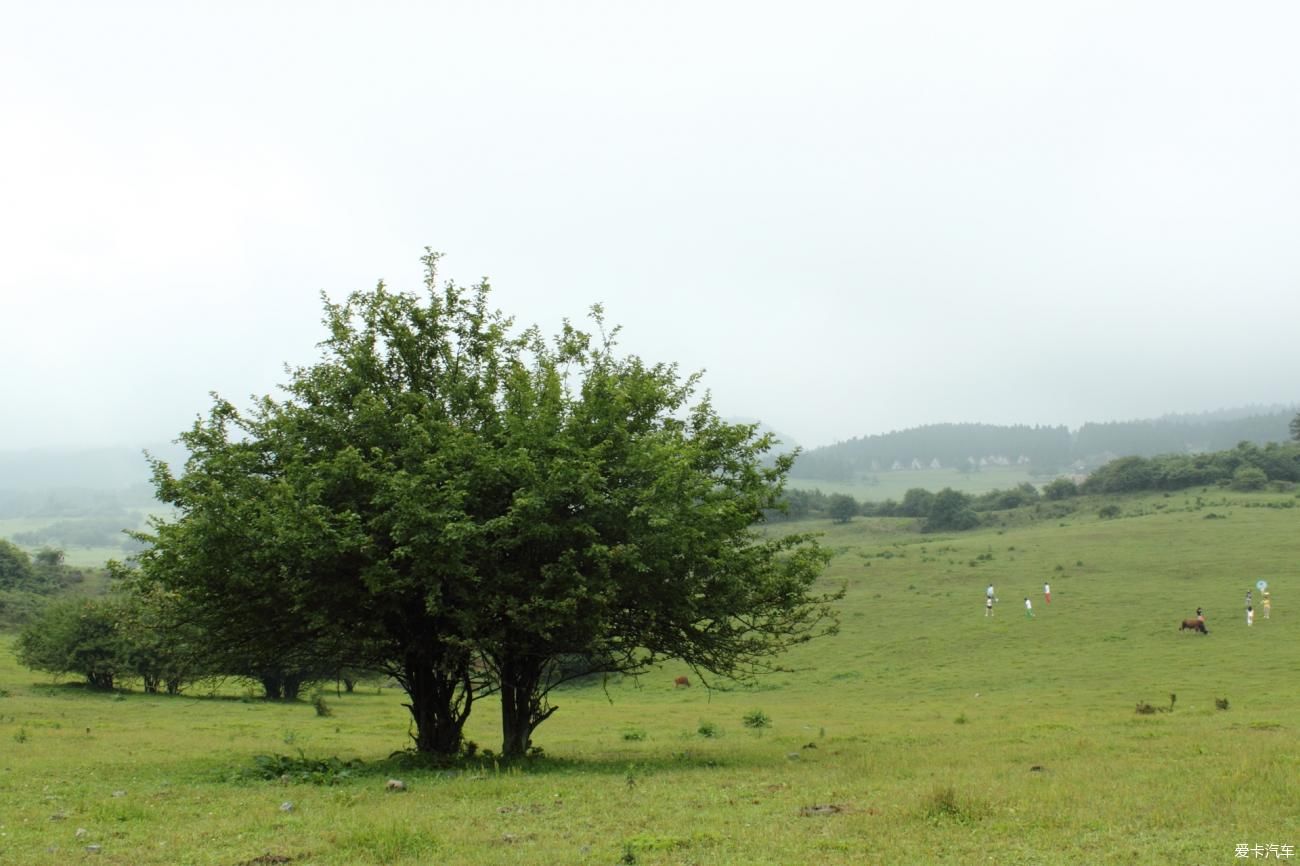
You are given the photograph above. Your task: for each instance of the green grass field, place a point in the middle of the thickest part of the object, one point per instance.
(923, 732)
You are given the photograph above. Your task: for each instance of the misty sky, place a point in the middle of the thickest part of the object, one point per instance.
(855, 217)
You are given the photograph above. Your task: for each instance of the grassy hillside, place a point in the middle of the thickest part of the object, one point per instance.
(923, 733)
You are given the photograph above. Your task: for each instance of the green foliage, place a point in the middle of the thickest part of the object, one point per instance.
(1003, 500)
(708, 730)
(77, 636)
(17, 608)
(1294, 427)
(1060, 488)
(469, 511)
(916, 503)
(1107, 512)
(1249, 478)
(842, 507)
(302, 769)
(1277, 461)
(1120, 476)
(950, 510)
(756, 719)
(15, 567)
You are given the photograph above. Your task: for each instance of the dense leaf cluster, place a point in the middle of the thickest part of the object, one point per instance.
(26, 582)
(472, 511)
(1248, 466)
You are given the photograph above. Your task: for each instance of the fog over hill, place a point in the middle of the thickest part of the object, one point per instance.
(1047, 447)
(1042, 448)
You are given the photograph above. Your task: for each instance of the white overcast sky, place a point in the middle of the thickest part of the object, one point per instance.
(854, 217)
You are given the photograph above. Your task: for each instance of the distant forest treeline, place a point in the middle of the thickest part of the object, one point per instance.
(1040, 448)
(1247, 467)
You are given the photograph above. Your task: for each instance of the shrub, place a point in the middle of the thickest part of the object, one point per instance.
(842, 507)
(316, 771)
(75, 636)
(1106, 512)
(708, 729)
(1061, 488)
(757, 719)
(1249, 478)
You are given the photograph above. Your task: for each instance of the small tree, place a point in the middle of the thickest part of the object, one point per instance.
(843, 507)
(1295, 427)
(916, 502)
(15, 567)
(1249, 478)
(951, 510)
(77, 636)
(1060, 488)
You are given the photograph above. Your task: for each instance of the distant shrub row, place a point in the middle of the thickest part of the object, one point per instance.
(946, 510)
(26, 582)
(1246, 467)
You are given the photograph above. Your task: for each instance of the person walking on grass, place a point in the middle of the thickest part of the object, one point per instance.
(988, 606)
(1029, 608)
(1250, 616)
(1047, 593)
(1268, 604)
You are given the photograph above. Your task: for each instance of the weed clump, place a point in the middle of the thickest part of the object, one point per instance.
(757, 719)
(944, 804)
(708, 730)
(302, 769)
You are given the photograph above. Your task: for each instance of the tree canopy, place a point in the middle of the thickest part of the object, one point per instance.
(474, 510)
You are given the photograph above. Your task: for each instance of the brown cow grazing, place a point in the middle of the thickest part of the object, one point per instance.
(1195, 625)
(681, 681)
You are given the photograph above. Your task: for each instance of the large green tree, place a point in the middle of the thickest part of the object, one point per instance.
(630, 534)
(471, 510)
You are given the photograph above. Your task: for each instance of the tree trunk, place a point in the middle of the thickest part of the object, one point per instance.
(99, 680)
(292, 685)
(440, 704)
(273, 686)
(521, 705)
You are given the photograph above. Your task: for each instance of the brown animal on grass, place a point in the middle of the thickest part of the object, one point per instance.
(681, 681)
(1195, 625)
